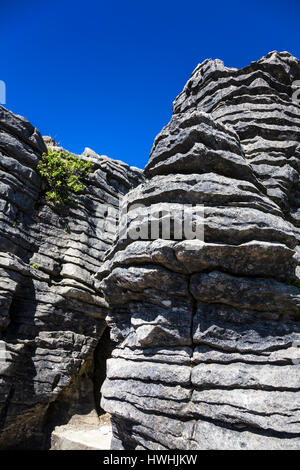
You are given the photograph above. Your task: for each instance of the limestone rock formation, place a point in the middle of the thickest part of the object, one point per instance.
(207, 331)
(51, 317)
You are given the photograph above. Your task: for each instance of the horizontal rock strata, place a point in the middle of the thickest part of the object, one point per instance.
(205, 316)
(51, 316)
(208, 330)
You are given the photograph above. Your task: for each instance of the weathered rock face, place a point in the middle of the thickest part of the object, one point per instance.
(51, 317)
(207, 331)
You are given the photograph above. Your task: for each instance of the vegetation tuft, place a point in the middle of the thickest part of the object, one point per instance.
(295, 283)
(35, 266)
(64, 173)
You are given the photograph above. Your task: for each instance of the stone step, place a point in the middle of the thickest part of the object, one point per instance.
(70, 437)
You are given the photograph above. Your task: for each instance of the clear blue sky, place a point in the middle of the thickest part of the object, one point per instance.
(104, 74)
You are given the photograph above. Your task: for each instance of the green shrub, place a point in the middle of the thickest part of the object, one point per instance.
(63, 172)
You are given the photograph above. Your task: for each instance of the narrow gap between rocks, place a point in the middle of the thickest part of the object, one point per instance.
(72, 420)
(102, 353)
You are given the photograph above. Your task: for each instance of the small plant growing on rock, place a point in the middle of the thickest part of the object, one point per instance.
(64, 172)
(295, 283)
(35, 266)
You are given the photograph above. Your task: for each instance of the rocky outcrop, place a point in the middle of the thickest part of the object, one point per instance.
(207, 330)
(51, 317)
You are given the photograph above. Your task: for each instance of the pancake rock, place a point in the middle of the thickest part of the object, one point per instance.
(51, 317)
(207, 329)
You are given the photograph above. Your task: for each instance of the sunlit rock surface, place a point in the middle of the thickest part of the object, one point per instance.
(51, 317)
(207, 331)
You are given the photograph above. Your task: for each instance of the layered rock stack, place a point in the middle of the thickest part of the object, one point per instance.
(208, 330)
(51, 317)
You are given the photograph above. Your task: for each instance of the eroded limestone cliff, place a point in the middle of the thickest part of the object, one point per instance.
(206, 332)
(51, 317)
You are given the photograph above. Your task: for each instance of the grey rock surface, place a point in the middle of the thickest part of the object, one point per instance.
(51, 317)
(207, 331)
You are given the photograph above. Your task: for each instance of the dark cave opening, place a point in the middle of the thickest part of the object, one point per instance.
(102, 353)
(81, 397)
